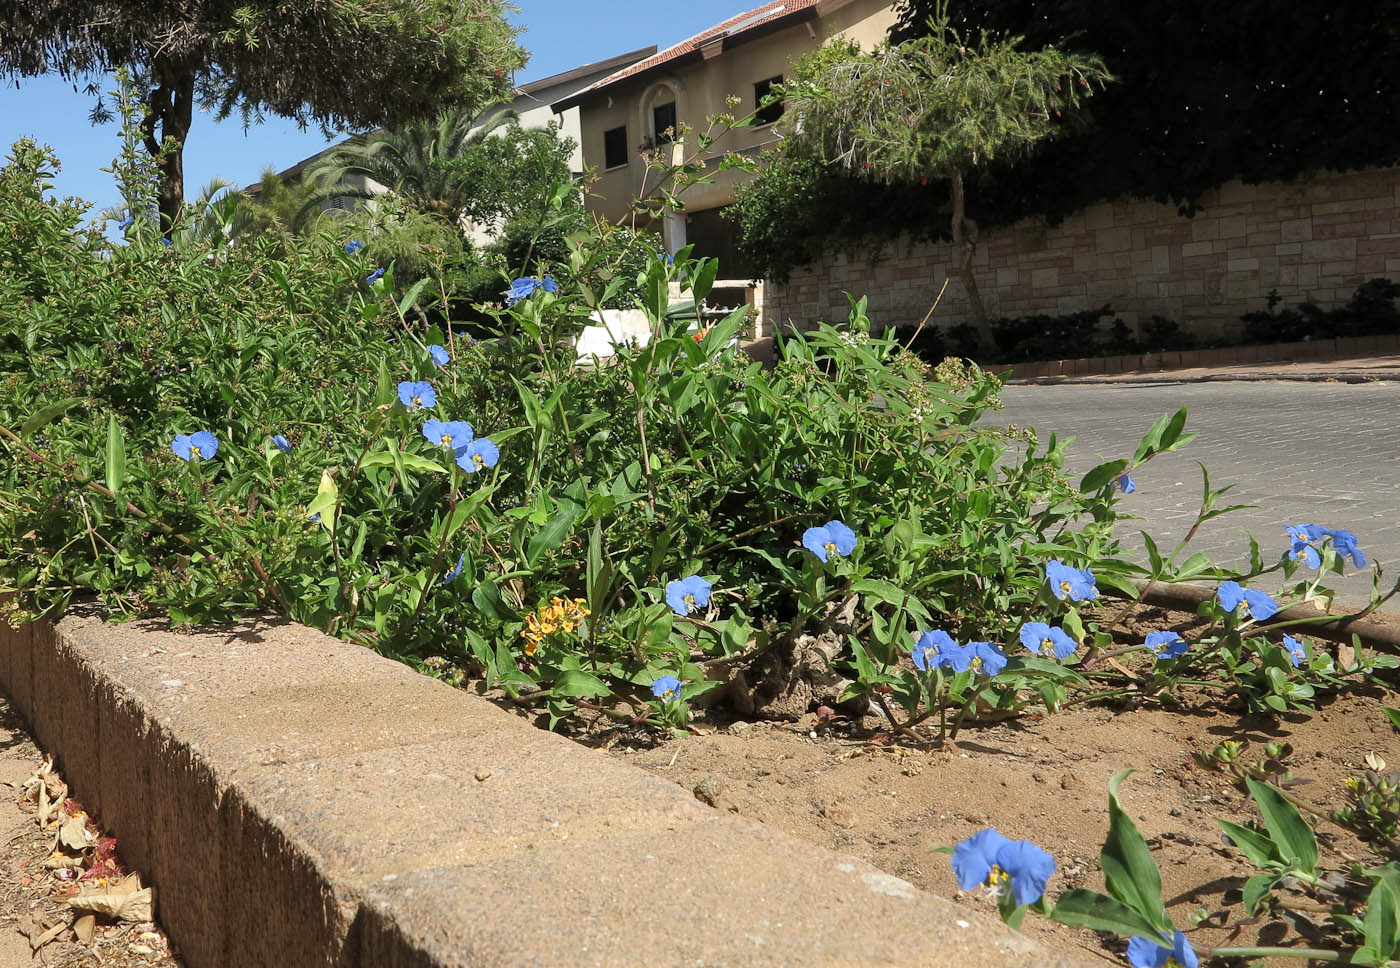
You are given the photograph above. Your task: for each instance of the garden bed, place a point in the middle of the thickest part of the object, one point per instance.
(1041, 778)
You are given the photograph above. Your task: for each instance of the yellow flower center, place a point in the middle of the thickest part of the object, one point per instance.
(930, 654)
(418, 401)
(1047, 646)
(668, 695)
(831, 549)
(1065, 587)
(690, 602)
(194, 452)
(478, 460)
(998, 882)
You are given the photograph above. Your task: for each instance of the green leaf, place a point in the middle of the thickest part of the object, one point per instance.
(555, 531)
(1256, 889)
(1128, 868)
(1382, 921)
(324, 502)
(1090, 909)
(410, 297)
(1103, 475)
(47, 415)
(116, 455)
(1295, 839)
(576, 682)
(1392, 714)
(1260, 850)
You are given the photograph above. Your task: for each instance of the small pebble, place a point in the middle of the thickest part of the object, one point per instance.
(482, 773)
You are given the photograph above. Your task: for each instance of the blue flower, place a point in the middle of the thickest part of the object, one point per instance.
(1077, 584)
(1167, 645)
(126, 223)
(1259, 605)
(439, 354)
(985, 658)
(688, 595)
(933, 649)
(374, 276)
(416, 396)
(282, 443)
(1146, 953)
(523, 288)
(1296, 652)
(1309, 554)
(1345, 543)
(451, 576)
(447, 433)
(667, 688)
(353, 246)
(832, 538)
(202, 444)
(1126, 484)
(478, 454)
(1047, 641)
(991, 860)
(166, 242)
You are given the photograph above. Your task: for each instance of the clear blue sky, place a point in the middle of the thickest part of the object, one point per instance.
(560, 34)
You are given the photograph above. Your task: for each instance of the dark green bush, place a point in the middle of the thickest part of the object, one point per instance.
(1371, 311)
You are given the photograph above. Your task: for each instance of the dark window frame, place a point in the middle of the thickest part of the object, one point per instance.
(659, 125)
(615, 143)
(770, 114)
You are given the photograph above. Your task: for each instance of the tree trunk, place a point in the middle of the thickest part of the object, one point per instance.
(171, 111)
(963, 250)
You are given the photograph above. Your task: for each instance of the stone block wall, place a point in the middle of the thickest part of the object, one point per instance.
(1312, 239)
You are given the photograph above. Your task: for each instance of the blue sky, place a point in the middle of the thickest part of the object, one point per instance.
(560, 34)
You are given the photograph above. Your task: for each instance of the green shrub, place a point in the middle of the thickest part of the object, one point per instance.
(1371, 311)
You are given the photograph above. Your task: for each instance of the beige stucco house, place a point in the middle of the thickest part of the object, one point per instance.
(635, 108)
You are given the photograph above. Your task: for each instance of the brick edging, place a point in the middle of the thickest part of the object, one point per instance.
(297, 800)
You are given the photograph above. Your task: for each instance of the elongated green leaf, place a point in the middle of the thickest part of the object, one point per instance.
(1128, 868)
(1382, 921)
(704, 280)
(1090, 909)
(1258, 848)
(1103, 475)
(47, 415)
(576, 682)
(1150, 439)
(322, 506)
(1295, 839)
(1392, 714)
(555, 531)
(410, 297)
(116, 455)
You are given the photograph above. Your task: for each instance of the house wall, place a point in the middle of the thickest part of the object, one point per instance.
(1315, 239)
(699, 90)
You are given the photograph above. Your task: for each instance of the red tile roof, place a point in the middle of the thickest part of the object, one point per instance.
(735, 27)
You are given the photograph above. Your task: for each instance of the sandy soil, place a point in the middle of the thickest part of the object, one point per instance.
(1042, 779)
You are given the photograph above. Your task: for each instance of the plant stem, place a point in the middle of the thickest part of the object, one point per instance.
(1314, 954)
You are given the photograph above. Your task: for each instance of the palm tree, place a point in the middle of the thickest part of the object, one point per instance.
(425, 164)
(220, 215)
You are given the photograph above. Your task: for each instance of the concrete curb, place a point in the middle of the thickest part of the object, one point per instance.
(300, 801)
(1255, 357)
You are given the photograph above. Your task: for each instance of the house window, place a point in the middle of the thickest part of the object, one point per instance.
(767, 114)
(663, 122)
(615, 147)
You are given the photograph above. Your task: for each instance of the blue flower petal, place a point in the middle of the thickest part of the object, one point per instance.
(1030, 869)
(1230, 593)
(281, 443)
(477, 455)
(932, 647)
(666, 688)
(439, 354)
(815, 540)
(451, 576)
(1295, 650)
(974, 858)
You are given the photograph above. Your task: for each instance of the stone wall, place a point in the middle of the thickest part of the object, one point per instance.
(1315, 239)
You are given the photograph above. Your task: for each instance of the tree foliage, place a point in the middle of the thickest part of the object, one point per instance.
(336, 63)
(1205, 92)
(934, 107)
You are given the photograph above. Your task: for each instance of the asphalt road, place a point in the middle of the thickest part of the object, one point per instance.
(1320, 453)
